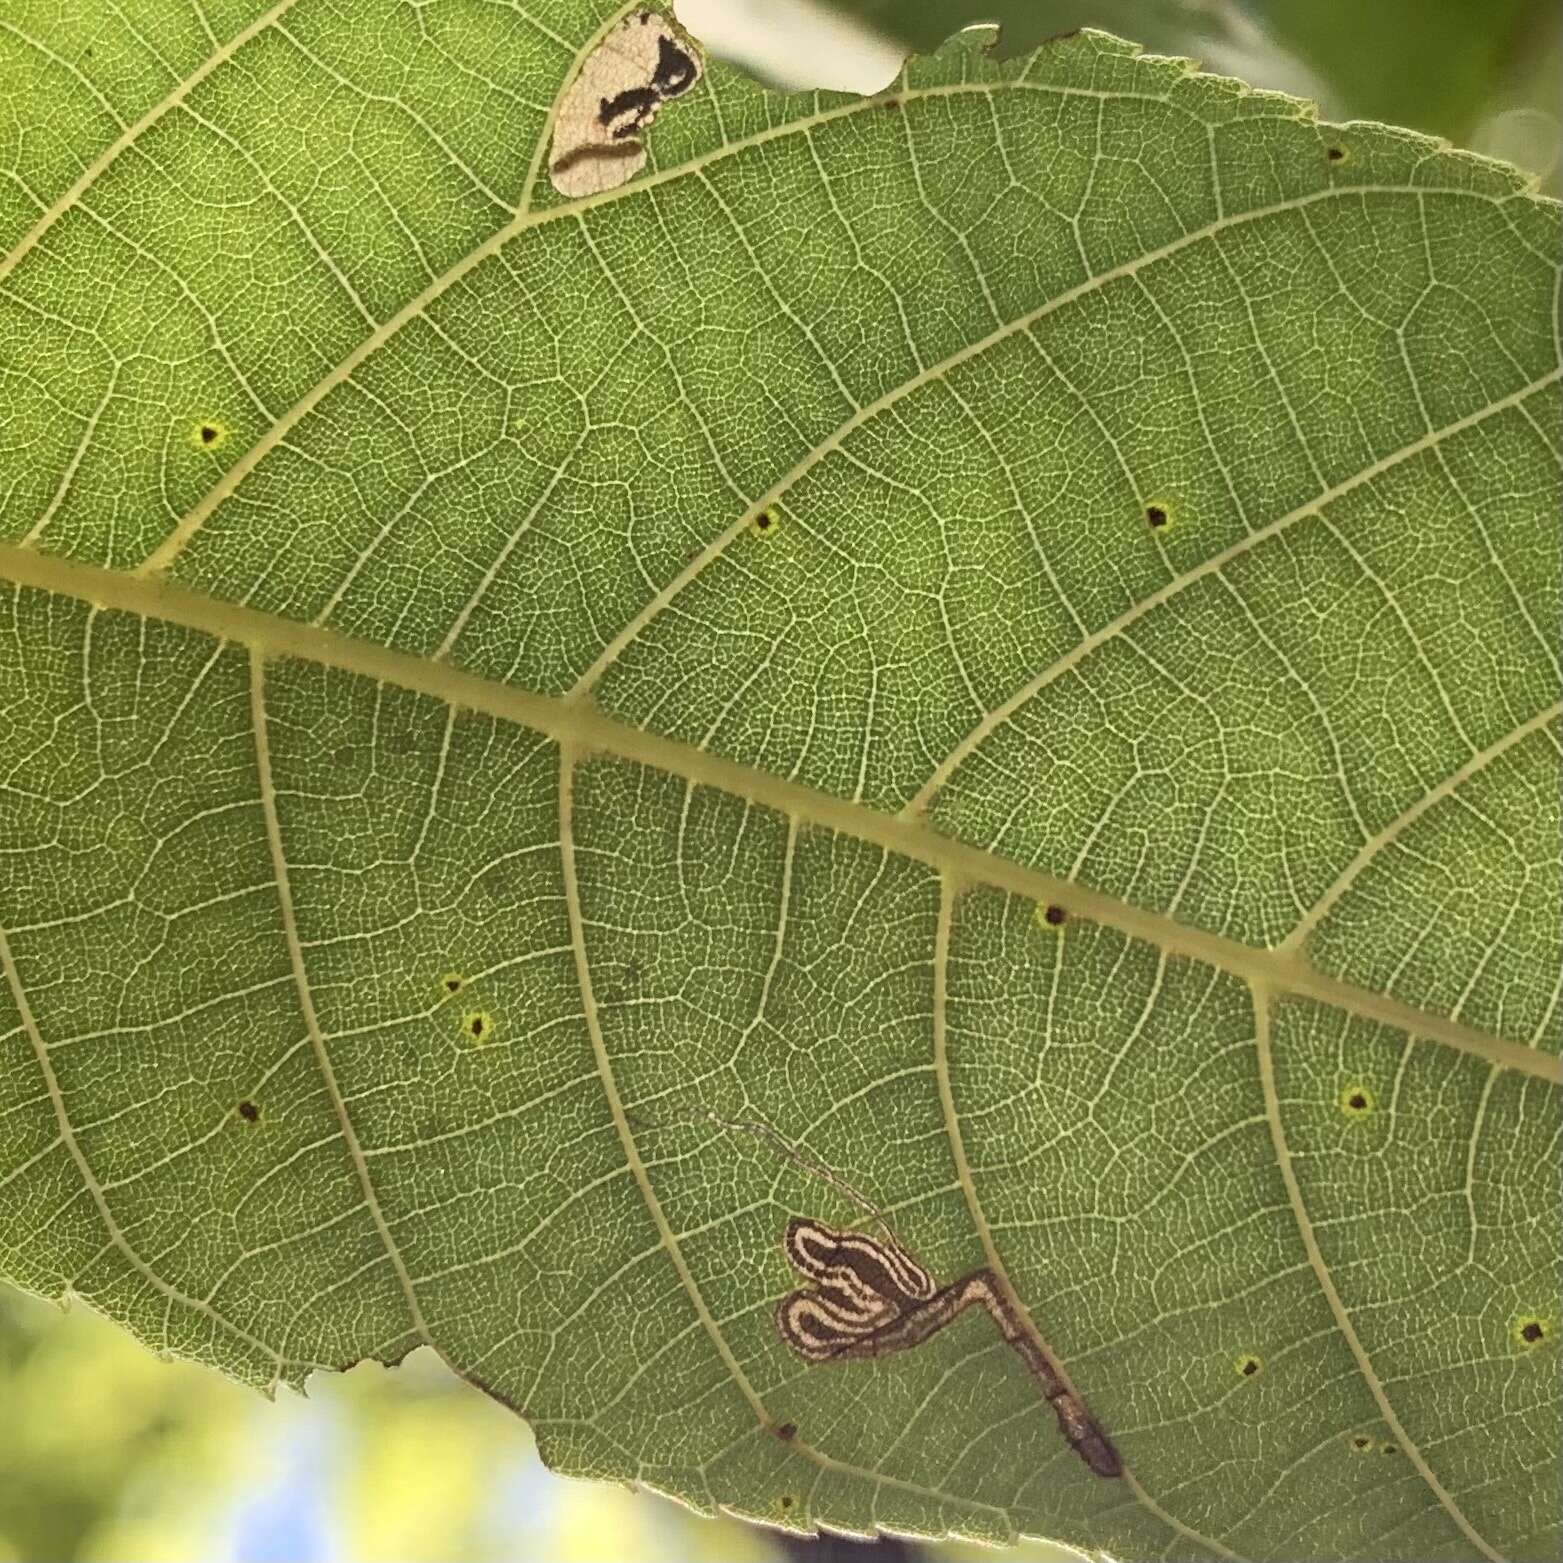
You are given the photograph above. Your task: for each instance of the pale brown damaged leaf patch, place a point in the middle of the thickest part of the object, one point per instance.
(618, 92)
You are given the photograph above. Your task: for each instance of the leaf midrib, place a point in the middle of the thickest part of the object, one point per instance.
(816, 807)
(581, 725)
(579, 730)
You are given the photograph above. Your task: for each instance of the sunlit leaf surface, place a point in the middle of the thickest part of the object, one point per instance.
(990, 651)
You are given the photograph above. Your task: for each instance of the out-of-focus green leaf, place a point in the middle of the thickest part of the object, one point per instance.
(1004, 632)
(1023, 24)
(99, 1439)
(1434, 66)
(1438, 66)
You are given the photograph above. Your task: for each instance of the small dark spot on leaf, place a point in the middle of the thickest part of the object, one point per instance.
(208, 434)
(1530, 1329)
(1388, 1449)
(248, 1111)
(787, 1500)
(766, 522)
(1335, 154)
(787, 1431)
(478, 1025)
(1053, 916)
(1356, 1101)
(1362, 1443)
(892, 103)
(1248, 1366)
(1155, 515)
(453, 982)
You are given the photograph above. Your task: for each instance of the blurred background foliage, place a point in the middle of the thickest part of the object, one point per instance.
(109, 1455)
(1482, 73)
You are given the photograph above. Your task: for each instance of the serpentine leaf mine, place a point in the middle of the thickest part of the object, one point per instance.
(868, 1297)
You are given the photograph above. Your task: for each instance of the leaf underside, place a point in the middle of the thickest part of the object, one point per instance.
(498, 692)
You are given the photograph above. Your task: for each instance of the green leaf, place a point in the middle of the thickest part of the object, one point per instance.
(1438, 67)
(540, 738)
